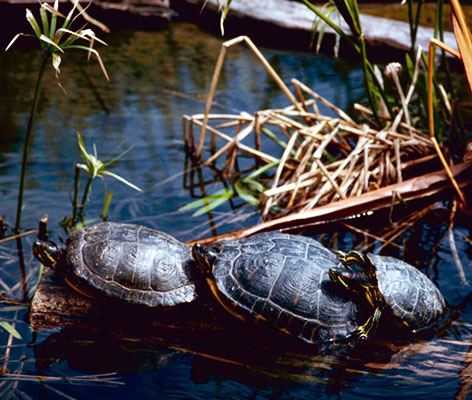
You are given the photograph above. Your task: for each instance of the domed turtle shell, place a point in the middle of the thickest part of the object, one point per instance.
(392, 284)
(410, 294)
(128, 262)
(284, 280)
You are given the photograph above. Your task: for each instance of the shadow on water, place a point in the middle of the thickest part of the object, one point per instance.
(156, 77)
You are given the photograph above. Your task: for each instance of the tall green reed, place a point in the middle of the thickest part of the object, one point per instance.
(54, 42)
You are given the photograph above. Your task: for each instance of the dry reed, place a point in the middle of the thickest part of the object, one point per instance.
(324, 158)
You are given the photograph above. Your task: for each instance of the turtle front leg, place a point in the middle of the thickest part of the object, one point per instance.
(367, 330)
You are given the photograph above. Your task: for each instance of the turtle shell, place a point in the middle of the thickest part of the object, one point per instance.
(132, 263)
(411, 295)
(284, 280)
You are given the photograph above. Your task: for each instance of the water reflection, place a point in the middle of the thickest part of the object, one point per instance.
(259, 360)
(156, 77)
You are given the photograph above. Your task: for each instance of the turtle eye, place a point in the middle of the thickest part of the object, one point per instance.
(347, 274)
(216, 249)
(355, 268)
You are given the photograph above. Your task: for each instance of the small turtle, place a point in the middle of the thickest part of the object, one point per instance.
(392, 286)
(129, 262)
(284, 280)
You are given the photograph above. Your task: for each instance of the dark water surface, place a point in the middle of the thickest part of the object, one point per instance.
(156, 77)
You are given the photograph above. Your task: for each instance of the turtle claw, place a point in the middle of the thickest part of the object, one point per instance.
(364, 332)
(360, 334)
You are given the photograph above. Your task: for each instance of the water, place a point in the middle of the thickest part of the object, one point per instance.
(156, 77)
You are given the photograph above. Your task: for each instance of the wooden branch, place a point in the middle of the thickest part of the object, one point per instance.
(415, 188)
(57, 305)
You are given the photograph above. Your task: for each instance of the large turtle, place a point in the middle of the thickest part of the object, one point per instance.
(394, 288)
(124, 261)
(284, 280)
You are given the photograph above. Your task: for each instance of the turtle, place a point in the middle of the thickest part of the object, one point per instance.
(282, 279)
(393, 288)
(129, 262)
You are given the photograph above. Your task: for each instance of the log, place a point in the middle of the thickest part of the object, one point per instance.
(105, 335)
(295, 16)
(200, 326)
(56, 305)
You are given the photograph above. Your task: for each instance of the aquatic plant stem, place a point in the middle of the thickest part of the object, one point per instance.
(358, 43)
(27, 142)
(88, 185)
(414, 22)
(367, 81)
(76, 194)
(432, 134)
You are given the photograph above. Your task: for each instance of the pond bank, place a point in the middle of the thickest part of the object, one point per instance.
(273, 19)
(279, 23)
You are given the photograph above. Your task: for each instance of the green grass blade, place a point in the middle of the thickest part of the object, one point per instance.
(242, 192)
(254, 185)
(261, 170)
(106, 204)
(350, 13)
(410, 66)
(106, 164)
(223, 17)
(34, 24)
(123, 180)
(329, 22)
(44, 38)
(10, 329)
(52, 30)
(214, 202)
(86, 34)
(202, 202)
(271, 135)
(67, 21)
(44, 20)
(86, 155)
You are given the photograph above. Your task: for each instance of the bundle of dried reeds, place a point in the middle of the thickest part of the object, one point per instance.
(324, 158)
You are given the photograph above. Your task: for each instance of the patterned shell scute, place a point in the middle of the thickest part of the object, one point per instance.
(284, 279)
(133, 263)
(411, 294)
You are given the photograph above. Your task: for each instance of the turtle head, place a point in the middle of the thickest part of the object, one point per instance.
(357, 274)
(48, 253)
(205, 256)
